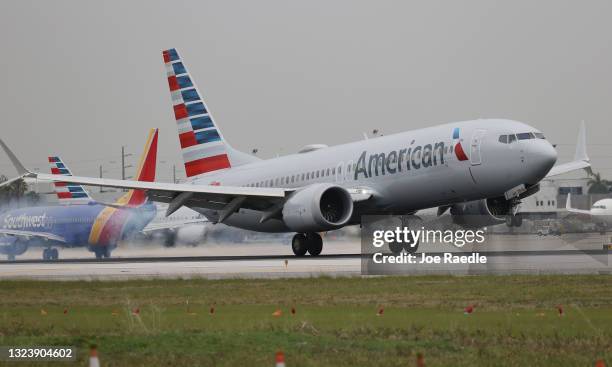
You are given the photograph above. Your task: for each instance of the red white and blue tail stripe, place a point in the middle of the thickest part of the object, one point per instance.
(203, 147)
(67, 193)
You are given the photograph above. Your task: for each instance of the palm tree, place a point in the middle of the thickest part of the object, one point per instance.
(597, 185)
(15, 190)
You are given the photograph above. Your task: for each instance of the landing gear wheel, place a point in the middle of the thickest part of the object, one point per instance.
(53, 254)
(46, 255)
(518, 220)
(396, 247)
(102, 252)
(98, 254)
(299, 244)
(170, 239)
(11, 257)
(514, 220)
(315, 244)
(409, 246)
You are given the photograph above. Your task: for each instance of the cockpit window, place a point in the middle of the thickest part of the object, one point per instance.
(525, 136)
(540, 136)
(503, 139)
(511, 138)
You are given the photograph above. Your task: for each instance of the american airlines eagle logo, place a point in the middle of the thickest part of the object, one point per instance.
(459, 152)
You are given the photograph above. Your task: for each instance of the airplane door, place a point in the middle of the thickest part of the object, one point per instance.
(340, 172)
(475, 157)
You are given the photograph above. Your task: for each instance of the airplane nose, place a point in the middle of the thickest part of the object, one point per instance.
(542, 159)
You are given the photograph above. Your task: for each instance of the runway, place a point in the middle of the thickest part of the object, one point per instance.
(272, 260)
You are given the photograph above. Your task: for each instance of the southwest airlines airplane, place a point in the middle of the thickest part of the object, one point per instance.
(479, 169)
(80, 220)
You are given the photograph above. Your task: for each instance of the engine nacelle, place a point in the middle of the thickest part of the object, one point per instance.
(481, 213)
(13, 247)
(318, 207)
(191, 233)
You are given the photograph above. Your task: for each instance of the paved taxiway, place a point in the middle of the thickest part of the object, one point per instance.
(506, 255)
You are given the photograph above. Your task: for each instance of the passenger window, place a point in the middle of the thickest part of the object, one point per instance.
(333, 171)
(503, 139)
(327, 172)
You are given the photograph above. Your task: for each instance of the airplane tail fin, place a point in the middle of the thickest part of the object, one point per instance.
(145, 172)
(203, 147)
(67, 194)
(581, 152)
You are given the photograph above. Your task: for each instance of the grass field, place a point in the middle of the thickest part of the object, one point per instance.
(515, 320)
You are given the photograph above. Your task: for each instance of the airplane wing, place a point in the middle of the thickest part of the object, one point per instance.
(581, 159)
(29, 234)
(172, 224)
(177, 195)
(225, 199)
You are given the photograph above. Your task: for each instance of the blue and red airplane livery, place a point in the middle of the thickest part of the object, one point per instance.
(80, 220)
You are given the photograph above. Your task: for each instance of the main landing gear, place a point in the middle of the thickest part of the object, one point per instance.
(102, 252)
(514, 220)
(307, 242)
(50, 254)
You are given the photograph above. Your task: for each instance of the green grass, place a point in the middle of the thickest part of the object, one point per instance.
(515, 322)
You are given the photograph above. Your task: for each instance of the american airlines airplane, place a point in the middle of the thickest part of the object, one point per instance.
(478, 169)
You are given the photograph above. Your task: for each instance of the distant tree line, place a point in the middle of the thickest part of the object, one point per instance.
(598, 185)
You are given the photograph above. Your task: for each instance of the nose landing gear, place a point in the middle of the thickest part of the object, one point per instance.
(309, 242)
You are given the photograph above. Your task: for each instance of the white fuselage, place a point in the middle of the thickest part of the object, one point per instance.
(601, 211)
(406, 171)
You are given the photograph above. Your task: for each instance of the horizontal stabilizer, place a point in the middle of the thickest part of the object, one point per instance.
(568, 207)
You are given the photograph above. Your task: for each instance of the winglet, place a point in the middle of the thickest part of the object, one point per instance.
(21, 170)
(581, 153)
(581, 158)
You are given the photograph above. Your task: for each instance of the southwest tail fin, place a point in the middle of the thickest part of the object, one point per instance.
(67, 194)
(146, 172)
(203, 146)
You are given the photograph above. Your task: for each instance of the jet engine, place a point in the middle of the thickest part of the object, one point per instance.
(13, 248)
(318, 207)
(481, 213)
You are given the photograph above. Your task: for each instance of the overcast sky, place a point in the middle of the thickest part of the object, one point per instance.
(81, 78)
